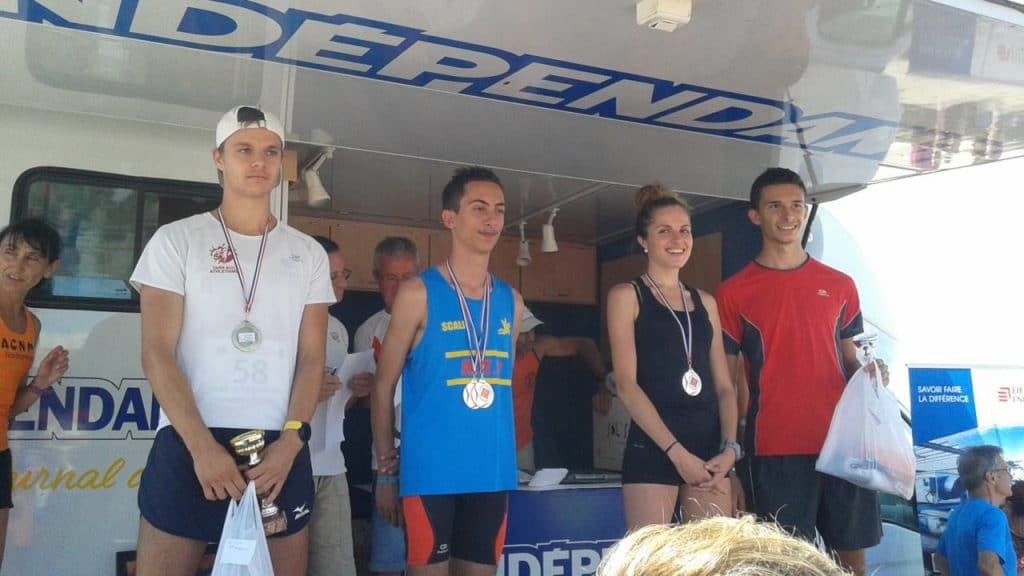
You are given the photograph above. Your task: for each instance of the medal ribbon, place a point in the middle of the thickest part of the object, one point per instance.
(471, 332)
(688, 333)
(249, 298)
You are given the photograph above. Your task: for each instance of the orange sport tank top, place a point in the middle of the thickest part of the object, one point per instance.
(17, 351)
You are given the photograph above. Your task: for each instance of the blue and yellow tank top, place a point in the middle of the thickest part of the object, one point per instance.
(448, 447)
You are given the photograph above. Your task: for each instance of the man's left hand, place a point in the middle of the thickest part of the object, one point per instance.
(276, 462)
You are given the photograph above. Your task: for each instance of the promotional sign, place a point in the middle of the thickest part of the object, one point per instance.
(354, 46)
(78, 455)
(561, 532)
(953, 409)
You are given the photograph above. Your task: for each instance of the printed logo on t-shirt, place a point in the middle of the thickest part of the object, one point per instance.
(453, 325)
(222, 256)
(506, 328)
(335, 335)
(16, 348)
(822, 292)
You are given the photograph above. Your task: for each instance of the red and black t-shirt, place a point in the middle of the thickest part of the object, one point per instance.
(788, 324)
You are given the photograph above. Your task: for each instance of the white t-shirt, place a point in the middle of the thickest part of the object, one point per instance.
(190, 257)
(325, 440)
(375, 328)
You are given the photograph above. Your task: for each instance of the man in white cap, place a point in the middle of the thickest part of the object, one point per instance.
(234, 318)
(530, 350)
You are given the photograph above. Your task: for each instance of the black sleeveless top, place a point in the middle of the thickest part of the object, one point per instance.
(661, 358)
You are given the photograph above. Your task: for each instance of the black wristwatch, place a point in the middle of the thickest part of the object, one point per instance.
(302, 428)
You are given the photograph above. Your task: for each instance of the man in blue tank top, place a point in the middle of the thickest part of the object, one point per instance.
(452, 339)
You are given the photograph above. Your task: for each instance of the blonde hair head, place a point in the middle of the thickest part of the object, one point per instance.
(717, 546)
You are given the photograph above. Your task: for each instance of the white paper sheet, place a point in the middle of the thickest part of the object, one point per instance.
(328, 421)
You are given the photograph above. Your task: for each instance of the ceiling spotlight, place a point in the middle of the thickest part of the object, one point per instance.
(316, 194)
(524, 258)
(547, 242)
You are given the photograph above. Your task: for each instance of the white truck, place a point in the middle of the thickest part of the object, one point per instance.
(107, 110)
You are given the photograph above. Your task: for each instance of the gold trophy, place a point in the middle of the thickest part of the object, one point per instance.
(248, 445)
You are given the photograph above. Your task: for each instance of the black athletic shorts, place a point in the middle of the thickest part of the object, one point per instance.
(464, 526)
(788, 490)
(644, 462)
(6, 480)
(172, 500)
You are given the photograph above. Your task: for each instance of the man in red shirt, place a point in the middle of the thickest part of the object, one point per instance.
(794, 319)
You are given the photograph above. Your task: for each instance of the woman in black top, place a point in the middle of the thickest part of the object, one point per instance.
(671, 374)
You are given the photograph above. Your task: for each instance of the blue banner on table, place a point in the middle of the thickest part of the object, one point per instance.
(952, 409)
(561, 532)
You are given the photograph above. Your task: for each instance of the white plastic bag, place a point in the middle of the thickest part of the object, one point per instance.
(868, 443)
(243, 545)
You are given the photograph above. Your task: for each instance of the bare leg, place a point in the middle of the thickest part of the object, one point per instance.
(698, 504)
(163, 554)
(648, 504)
(853, 560)
(466, 568)
(290, 554)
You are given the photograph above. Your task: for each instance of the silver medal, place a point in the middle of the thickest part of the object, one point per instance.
(484, 393)
(691, 382)
(246, 337)
(477, 393)
(469, 395)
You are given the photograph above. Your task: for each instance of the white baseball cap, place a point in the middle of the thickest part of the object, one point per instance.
(529, 321)
(241, 117)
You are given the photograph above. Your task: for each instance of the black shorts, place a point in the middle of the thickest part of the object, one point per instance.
(6, 480)
(464, 526)
(788, 490)
(171, 499)
(644, 462)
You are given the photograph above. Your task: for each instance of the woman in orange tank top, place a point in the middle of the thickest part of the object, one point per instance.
(29, 252)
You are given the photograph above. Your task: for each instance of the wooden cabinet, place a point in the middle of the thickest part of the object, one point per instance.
(311, 226)
(359, 239)
(567, 276)
(503, 261)
(440, 246)
(503, 258)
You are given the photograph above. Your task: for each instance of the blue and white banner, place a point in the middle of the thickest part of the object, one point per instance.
(952, 409)
(561, 532)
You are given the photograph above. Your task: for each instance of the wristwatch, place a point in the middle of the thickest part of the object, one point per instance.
(736, 448)
(301, 427)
